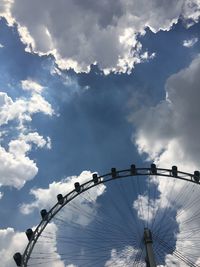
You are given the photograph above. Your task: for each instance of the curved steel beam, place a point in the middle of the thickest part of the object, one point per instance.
(114, 174)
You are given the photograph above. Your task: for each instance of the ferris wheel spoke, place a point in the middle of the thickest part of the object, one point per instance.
(176, 252)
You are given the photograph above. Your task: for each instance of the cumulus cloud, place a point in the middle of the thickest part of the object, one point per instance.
(126, 257)
(171, 261)
(169, 132)
(79, 33)
(46, 198)
(12, 242)
(146, 208)
(190, 42)
(31, 85)
(5, 7)
(47, 248)
(37, 139)
(15, 165)
(22, 108)
(15, 168)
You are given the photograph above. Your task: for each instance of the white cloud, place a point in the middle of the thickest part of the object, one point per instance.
(171, 261)
(79, 33)
(22, 108)
(190, 42)
(18, 148)
(38, 104)
(47, 247)
(5, 7)
(15, 166)
(46, 198)
(35, 138)
(191, 11)
(12, 242)
(146, 208)
(31, 85)
(1, 46)
(125, 257)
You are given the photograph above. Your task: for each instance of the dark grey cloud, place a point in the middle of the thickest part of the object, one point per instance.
(81, 33)
(174, 123)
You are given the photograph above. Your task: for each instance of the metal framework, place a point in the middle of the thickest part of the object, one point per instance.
(22, 260)
(150, 259)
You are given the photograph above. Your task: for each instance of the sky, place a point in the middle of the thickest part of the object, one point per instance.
(90, 85)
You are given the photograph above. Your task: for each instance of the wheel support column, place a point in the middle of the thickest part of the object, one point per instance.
(150, 259)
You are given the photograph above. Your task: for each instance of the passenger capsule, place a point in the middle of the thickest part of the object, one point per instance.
(44, 214)
(153, 168)
(133, 169)
(95, 178)
(174, 171)
(77, 187)
(113, 172)
(29, 233)
(196, 176)
(60, 199)
(18, 258)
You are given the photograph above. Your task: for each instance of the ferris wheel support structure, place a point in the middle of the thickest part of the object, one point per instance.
(150, 259)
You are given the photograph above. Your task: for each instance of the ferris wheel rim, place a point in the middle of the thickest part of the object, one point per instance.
(102, 179)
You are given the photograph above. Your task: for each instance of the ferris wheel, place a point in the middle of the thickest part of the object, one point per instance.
(134, 217)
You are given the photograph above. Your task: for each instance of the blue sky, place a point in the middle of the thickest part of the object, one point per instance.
(87, 86)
